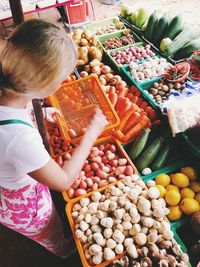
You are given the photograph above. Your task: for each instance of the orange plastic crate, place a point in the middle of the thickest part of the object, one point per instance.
(120, 151)
(68, 210)
(77, 100)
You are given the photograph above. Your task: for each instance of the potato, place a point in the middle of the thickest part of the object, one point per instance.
(95, 53)
(87, 35)
(83, 42)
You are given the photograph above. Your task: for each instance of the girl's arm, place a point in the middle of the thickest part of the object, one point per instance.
(61, 179)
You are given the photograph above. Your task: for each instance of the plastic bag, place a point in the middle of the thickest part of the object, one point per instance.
(183, 113)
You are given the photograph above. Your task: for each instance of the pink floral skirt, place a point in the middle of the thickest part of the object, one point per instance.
(30, 211)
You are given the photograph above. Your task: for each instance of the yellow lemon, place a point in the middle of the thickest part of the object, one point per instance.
(195, 186)
(162, 190)
(172, 198)
(175, 213)
(180, 180)
(187, 192)
(189, 206)
(190, 173)
(197, 197)
(163, 179)
(172, 187)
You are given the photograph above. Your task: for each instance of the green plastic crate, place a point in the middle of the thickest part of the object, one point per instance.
(106, 37)
(121, 49)
(102, 23)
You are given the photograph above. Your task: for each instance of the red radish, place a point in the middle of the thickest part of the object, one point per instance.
(106, 169)
(105, 160)
(97, 159)
(129, 170)
(95, 186)
(111, 156)
(112, 170)
(70, 192)
(106, 147)
(101, 174)
(122, 161)
(120, 170)
(95, 179)
(89, 182)
(101, 153)
(94, 166)
(89, 174)
(83, 185)
(112, 179)
(103, 183)
(80, 192)
(101, 147)
(112, 148)
(76, 184)
(114, 163)
(87, 168)
(89, 190)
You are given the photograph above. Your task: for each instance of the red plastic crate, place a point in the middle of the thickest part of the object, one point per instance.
(77, 11)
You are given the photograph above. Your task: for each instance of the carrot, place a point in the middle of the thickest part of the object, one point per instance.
(123, 112)
(132, 89)
(139, 101)
(136, 130)
(119, 135)
(125, 118)
(123, 103)
(156, 122)
(152, 115)
(129, 95)
(137, 92)
(143, 105)
(113, 98)
(123, 91)
(134, 119)
(112, 89)
(134, 99)
(148, 109)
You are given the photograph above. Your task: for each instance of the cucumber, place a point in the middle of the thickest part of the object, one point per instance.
(173, 27)
(182, 39)
(154, 31)
(149, 154)
(139, 144)
(188, 49)
(150, 25)
(162, 157)
(142, 17)
(161, 29)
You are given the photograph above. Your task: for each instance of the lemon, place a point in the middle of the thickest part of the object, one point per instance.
(172, 187)
(172, 198)
(195, 186)
(180, 180)
(189, 206)
(197, 197)
(190, 173)
(175, 213)
(187, 192)
(162, 190)
(163, 179)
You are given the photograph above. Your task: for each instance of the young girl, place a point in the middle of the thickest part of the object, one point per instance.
(34, 61)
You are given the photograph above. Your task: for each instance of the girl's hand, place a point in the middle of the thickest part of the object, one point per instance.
(50, 113)
(98, 123)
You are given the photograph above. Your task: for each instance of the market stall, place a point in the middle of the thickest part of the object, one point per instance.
(139, 189)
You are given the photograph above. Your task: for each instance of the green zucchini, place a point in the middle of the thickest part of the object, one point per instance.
(161, 29)
(154, 31)
(188, 49)
(142, 17)
(150, 25)
(149, 154)
(181, 40)
(173, 27)
(162, 157)
(139, 144)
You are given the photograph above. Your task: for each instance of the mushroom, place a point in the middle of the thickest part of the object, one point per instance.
(92, 207)
(152, 237)
(88, 232)
(135, 219)
(118, 236)
(153, 192)
(107, 233)
(171, 260)
(112, 206)
(143, 205)
(133, 194)
(107, 222)
(158, 213)
(127, 225)
(88, 217)
(84, 202)
(124, 262)
(119, 249)
(153, 249)
(108, 254)
(79, 233)
(166, 244)
(104, 205)
(146, 262)
(77, 207)
(99, 239)
(132, 251)
(163, 263)
(140, 239)
(148, 222)
(97, 259)
(110, 243)
(126, 217)
(136, 228)
(96, 228)
(143, 252)
(94, 220)
(95, 249)
(119, 213)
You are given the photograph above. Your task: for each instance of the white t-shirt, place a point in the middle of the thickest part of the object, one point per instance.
(21, 149)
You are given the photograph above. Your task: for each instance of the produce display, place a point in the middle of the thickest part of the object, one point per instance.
(132, 54)
(118, 42)
(160, 91)
(116, 217)
(149, 69)
(195, 66)
(104, 165)
(88, 47)
(127, 217)
(181, 191)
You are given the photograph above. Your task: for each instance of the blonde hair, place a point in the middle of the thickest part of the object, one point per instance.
(36, 54)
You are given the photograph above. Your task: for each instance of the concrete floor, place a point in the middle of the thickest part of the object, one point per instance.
(18, 251)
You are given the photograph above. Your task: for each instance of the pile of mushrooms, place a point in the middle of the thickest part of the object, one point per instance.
(128, 216)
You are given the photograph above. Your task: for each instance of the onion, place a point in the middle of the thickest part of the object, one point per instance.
(96, 70)
(105, 69)
(120, 85)
(102, 80)
(109, 77)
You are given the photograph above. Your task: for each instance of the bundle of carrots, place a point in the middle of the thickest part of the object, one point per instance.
(134, 112)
